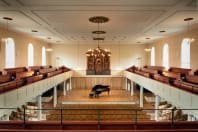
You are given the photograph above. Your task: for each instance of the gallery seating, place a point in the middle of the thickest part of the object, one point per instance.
(168, 77)
(5, 78)
(179, 77)
(35, 69)
(190, 83)
(13, 78)
(45, 71)
(196, 73)
(34, 78)
(13, 71)
(64, 68)
(132, 68)
(8, 83)
(142, 73)
(183, 71)
(45, 67)
(151, 72)
(160, 69)
(53, 73)
(24, 75)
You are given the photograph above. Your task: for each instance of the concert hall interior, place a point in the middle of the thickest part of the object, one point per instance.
(98, 65)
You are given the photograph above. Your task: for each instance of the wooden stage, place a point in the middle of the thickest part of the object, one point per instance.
(81, 96)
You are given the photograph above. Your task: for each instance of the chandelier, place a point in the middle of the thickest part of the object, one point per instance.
(98, 51)
(188, 38)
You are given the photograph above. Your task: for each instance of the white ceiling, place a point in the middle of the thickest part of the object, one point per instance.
(131, 21)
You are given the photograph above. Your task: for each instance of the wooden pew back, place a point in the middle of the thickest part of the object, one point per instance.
(183, 71)
(152, 71)
(64, 68)
(13, 71)
(45, 67)
(53, 73)
(34, 68)
(22, 75)
(191, 79)
(5, 78)
(172, 75)
(196, 72)
(132, 69)
(46, 70)
(160, 69)
(34, 78)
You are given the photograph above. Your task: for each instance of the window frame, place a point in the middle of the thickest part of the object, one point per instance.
(30, 54)
(9, 53)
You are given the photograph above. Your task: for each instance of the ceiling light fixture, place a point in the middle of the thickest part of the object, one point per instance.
(7, 30)
(49, 49)
(34, 31)
(98, 51)
(147, 49)
(189, 39)
(162, 31)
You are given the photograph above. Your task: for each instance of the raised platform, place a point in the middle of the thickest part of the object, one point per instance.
(116, 96)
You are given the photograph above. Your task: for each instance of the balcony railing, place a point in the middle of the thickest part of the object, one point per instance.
(98, 115)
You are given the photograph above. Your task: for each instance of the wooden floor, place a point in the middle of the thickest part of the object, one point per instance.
(115, 96)
(118, 101)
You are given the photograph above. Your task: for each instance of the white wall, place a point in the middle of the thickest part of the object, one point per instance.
(74, 56)
(21, 46)
(174, 42)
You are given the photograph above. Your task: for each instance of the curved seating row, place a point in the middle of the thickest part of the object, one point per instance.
(178, 77)
(13, 78)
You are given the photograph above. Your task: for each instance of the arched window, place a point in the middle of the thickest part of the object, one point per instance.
(165, 56)
(30, 55)
(9, 53)
(43, 56)
(185, 54)
(153, 56)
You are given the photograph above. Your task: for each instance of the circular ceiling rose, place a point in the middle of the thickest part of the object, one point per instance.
(98, 19)
(98, 32)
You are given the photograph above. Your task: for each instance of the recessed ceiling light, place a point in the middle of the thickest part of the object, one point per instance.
(34, 31)
(98, 32)
(148, 38)
(7, 18)
(162, 31)
(98, 38)
(188, 19)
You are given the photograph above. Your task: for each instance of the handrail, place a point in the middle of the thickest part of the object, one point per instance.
(98, 111)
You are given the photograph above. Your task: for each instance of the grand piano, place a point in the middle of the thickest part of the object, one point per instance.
(98, 89)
